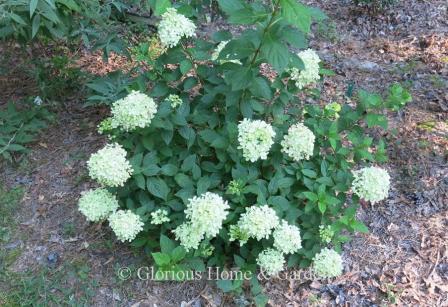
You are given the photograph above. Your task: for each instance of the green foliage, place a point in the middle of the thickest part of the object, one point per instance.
(19, 127)
(193, 149)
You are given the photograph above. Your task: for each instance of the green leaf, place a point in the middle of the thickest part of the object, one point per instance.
(296, 14)
(261, 88)
(203, 185)
(158, 188)
(35, 25)
(166, 244)
(161, 6)
(359, 226)
(169, 169)
(376, 120)
(33, 6)
(185, 66)
(322, 207)
(261, 300)
(310, 196)
(161, 259)
(178, 254)
(275, 52)
(140, 181)
(225, 285)
(309, 173)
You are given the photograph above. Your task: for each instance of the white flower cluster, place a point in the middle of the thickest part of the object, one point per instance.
(109, 166)
(173, 27)
(205, 215)
(218, 50)
(311, 72)
(97, 204)
(371, 184)
(258, 221)
(255, 138)
(287, 238)
(133, 111)
(326, 233)
(327, 263)
(271, 261)
(298, 144)
(174, 100)
(125, 224)
(159, 217)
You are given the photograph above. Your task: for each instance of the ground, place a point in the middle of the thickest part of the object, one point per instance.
(51, 256)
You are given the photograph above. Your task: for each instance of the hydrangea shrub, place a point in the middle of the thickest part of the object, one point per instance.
(220, 165)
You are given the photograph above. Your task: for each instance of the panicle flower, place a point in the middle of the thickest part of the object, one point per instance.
(188, 235)
(125, 224)
(207, 212)
(159, 217)
(174, 100)
(371, 184)
(109, 166)
(97, 204)
(327, 263)
(271, 261)
(133, 111)
(287, 238)
(326, 233)
(235, 187)
(258, 221)
(310, 73)
(236, 234)
(298, 144)
(173, 27)
(255, 138)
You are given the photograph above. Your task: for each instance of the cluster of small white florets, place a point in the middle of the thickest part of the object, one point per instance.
(159, 217)
(218, 50)
(327, 263)
(298, 144)
(371, 184)
(97, 204)
(255, 138)
(326, 233)
(205, 215)
(287, 238)
(271, 261)
(174, 100)
(258, 222)
(133, 111)
(125, 224)
(173, 27)
(109, 166)
(310, 73)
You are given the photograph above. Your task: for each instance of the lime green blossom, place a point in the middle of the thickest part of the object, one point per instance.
(109, 166)
(159, 217)
(173, 27)
(271, 261)
(133, 111)
(125, 224)
(287, 238)
(235, 187)
(327, 263)
(326, 233)
(174, 100)
(371, 184)
(97, 204)
(236, 234)
(255, 138)
(298, 144)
